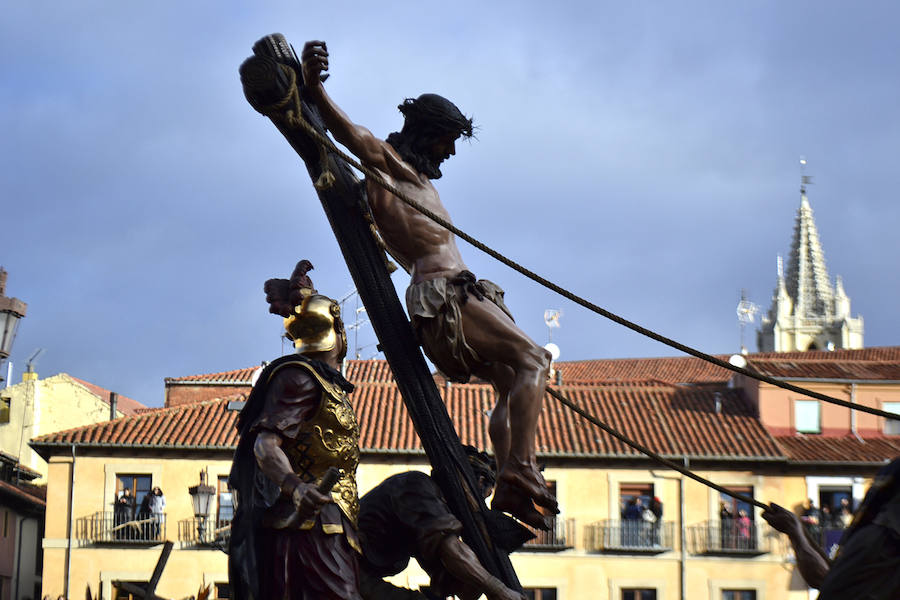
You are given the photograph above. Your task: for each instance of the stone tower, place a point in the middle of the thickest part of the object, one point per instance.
(807, 312)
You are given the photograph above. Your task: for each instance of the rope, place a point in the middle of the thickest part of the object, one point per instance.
(294, 118)
(644, 450)
(377, 177)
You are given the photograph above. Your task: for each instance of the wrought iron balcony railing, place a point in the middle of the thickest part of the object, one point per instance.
(561, 536)
(727, 537)
(629, 536)
(205, 532)
(112, 528)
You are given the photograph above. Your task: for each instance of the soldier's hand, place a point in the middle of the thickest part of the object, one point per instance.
(781, 519)
(308, 500)
(314, 59)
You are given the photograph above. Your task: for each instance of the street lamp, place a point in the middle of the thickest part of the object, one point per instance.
(201, 496)
(11, 310)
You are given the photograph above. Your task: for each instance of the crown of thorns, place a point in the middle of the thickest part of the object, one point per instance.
(438, 113)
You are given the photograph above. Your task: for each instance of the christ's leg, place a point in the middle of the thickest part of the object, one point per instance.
(496, 339)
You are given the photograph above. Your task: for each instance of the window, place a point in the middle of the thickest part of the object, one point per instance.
(628, 492)
(638, 594)
(807, 416)
(738, 594)
(225, 503)
(223, 590)
(737, 530)
(891, 426)
(137, 487)
(540, 593)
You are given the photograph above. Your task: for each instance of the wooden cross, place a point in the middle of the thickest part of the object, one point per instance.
(275, 91)
(148, 592)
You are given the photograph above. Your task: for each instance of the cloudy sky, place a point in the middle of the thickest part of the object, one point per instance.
(644, 155)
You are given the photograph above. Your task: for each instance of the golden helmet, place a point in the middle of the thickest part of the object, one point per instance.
(315, 324)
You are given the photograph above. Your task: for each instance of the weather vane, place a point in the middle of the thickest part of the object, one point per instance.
(804, 179)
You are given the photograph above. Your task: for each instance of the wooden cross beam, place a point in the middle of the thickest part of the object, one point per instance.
(267, 85)
(148, 592)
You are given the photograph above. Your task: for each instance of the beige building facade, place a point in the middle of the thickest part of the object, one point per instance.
(738, 434)
(36, 407)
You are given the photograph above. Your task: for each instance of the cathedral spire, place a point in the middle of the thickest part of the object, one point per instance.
(807, 313)
(807, 277)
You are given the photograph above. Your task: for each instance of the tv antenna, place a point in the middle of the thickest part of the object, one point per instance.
(746, 314)
(551, 319)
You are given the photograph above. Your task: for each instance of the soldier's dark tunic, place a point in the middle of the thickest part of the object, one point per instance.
(272, 556)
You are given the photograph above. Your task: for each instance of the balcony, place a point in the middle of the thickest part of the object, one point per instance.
(110, 528)
(560, 537)
(629, 537)
(716, 538)
(215, 534)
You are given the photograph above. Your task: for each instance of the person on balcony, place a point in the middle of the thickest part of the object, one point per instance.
(811, 518)
(656, 510)
(632, 522)
(726, 525)
(157, 508)
(144, 520)
(867, 564)
(122, 513)
(743, 527)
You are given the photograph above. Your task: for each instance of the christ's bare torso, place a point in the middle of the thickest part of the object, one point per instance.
(426, 249)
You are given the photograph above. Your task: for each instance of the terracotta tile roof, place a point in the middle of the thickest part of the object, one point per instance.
(678, 369)
(878, 353)
(675, 369)
(868, 363)
(202, 425)
(818, 449)
(30, 498)
(125, 405)
(671, 420)
(789, 368)
(238, 376)
(357, 370)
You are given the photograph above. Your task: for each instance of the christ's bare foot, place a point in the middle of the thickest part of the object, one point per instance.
(517, 480)
(521, 507)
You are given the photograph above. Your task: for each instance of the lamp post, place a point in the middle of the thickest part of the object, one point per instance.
(11, 310)
(201, 496)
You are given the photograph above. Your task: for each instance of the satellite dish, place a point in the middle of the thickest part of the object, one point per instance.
(738, 361)
(553, 349)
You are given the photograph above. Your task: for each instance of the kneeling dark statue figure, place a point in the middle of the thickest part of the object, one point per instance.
(406, 517)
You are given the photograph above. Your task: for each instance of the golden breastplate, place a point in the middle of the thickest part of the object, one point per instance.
(329, 439)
